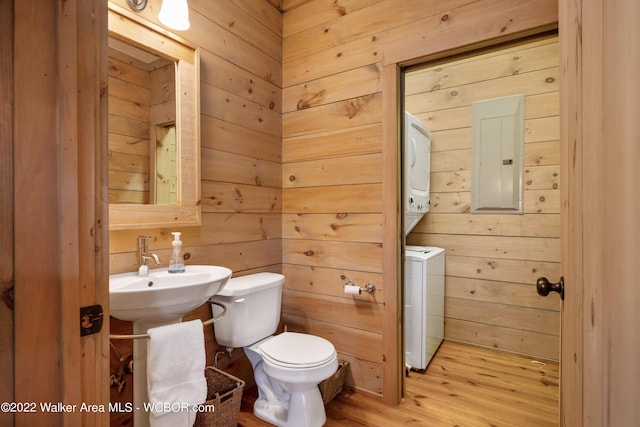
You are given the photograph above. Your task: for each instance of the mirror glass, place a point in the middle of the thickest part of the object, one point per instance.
(142, 102)
(153, 131)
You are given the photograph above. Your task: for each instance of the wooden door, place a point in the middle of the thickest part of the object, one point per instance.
(600, 104)
(6, 208)
(60, 212)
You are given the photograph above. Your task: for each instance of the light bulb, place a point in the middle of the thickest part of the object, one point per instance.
(175, 14)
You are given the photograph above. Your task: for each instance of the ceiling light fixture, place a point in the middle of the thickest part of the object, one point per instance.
(173, 13)
(137, 5)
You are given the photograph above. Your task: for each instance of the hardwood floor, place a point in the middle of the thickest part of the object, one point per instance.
(464, 385)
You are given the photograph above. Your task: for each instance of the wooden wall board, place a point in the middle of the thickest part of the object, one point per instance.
(222, 166)
(333, 254)
(498, 225)
(330, 281)
(6, 210)
(335, 171)
(240, 51)
(338, 199)
(360, 343)
(367, 316)
(503, 248)
(234, 138)
(342, 226)
(343, 142)
(339, 129)
(325, 53)
(232, 197)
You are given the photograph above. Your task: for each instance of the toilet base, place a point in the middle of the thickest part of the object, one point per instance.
(273, 414)
(306, 409)
(289, 397)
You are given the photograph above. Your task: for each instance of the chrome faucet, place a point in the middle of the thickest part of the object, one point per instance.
(145, 255)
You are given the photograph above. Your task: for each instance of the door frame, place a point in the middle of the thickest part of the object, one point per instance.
(60, 211)
(6, 208)
(392, 73)
(600, 377)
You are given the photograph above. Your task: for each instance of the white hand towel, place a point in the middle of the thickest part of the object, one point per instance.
(175, 373)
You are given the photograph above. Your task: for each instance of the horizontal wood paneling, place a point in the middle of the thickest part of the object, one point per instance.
(329, 139)
(366, 316)
(353, 341)
(515, 340)
(333, 254)
(342, 226)
(130, 89)
(360, 111)
(343, 142)
(331, 171)
(501, 247)
(515, 294)
(231, 197)
(332, 147)
(240, 46)
(222, 166)
(341, 199)
(493, 261)
(330, 281)
(498, 225)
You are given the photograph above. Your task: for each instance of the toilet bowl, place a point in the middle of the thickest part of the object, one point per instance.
(287, 367)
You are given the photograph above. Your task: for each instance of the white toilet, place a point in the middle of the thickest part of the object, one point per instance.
(287, 367)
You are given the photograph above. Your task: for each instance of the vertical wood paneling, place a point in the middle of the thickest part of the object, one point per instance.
(36, 284)
(600, 378)
(621, 227)
(486, 255)
(6, 208)
(60, 205)
(337, 105)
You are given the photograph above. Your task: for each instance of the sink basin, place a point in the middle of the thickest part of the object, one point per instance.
(162, 295)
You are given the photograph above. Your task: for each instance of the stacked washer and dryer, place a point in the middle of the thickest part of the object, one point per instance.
(423, 265)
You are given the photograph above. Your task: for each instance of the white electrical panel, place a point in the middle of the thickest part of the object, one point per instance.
(498, 155)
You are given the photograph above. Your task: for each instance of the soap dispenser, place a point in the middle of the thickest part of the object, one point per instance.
(176, 263)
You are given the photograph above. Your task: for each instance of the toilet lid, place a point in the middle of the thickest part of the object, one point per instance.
(297, 350)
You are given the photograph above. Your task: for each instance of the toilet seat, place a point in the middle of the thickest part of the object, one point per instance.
(297, 351)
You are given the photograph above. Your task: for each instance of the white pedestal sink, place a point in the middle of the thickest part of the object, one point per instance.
(159, 299)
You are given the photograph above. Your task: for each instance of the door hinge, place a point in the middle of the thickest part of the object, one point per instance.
(91, 318)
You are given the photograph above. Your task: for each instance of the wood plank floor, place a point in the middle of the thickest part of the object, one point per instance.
(463, 386)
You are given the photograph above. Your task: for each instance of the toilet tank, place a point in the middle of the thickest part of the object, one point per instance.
(253, 309)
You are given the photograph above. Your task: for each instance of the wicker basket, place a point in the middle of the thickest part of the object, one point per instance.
(224, 393)
(333, 385)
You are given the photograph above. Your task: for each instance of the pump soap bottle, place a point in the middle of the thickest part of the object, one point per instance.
(176, 263)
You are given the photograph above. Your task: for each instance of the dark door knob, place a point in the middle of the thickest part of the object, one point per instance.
(544, 287)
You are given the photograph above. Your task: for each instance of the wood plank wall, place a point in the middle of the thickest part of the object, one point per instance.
(332, 148)
(493, 261)
(240, 48)
(129, 110)
(292, 178)
(141, 95)
(240, 52)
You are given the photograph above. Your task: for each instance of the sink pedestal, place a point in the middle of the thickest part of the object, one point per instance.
(140, 394)
(158, 299)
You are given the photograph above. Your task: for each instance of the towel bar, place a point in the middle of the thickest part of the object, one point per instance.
(205, 323)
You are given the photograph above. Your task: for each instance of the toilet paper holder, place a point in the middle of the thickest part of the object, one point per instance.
(350, 287)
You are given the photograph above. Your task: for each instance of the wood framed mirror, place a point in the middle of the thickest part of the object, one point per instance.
(154, 125)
